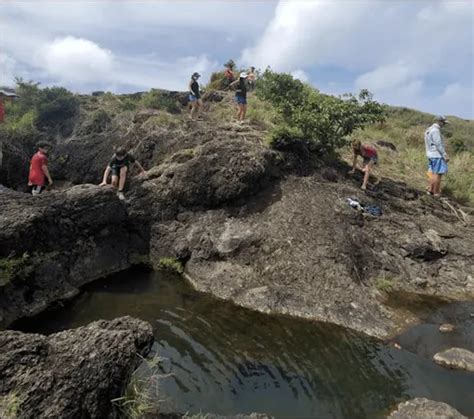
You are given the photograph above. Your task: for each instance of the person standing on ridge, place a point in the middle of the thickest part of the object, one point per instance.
(195, 96)
(370, 159)
(241, 96)
(252, 78)
(229, 76)
(436, 154)
(119, 167)
(39, 169)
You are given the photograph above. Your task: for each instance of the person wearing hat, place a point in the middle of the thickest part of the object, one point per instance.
(436, 154)
(241, 96)
(195, 96)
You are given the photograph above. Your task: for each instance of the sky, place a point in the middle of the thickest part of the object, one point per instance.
(418, 54)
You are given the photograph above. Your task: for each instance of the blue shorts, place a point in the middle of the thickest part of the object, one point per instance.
(193, 98)
(241, 100)
(438, 166)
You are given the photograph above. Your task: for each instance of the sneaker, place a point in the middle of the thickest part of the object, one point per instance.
(121, 196)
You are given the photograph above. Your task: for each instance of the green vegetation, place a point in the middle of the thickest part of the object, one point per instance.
(135, 403)
(321, 122)
(51, 108)
(384, 284)
(11, 268)
(155, 99)
(10, 405)
(171, 264)
(405, 129)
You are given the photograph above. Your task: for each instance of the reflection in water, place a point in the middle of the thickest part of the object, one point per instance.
(216, 357)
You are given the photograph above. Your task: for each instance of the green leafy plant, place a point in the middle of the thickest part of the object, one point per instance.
(155, 99)
(384, 284)
(171, 264)
(10, 405)
(323, 121)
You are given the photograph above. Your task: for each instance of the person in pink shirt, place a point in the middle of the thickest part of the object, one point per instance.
(370, 159)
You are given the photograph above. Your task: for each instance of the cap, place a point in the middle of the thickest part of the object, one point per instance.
(243, 75)
(442, 119)
(196, 75)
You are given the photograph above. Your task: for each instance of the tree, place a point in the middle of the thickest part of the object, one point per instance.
(320, 121)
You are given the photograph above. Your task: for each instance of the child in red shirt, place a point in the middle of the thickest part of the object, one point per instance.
(370, 159)
(39, 169)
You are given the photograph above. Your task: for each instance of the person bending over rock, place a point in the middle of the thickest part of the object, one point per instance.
(241, 96)
(39, 171)
(436, 154)
(195, 96)
(119, 167)
(370, 159)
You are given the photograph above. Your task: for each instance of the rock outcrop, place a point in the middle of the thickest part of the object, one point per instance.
(53, 244)
(421, 408)
(458, 358)
(71, 374)
(269, 230)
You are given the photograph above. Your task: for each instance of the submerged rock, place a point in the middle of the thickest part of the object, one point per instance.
(71, 374)
(446, 328)
(421, 408)
(456, 358)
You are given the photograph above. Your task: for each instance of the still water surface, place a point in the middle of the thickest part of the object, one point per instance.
(219, 358)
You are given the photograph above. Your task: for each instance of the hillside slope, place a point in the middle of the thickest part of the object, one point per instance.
(269, 230)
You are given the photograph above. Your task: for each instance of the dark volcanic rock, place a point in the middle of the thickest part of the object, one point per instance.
(52, 244)
(72, 374)
(213, 174)
(421, 408)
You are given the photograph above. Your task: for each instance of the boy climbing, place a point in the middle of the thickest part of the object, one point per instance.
(370, 159)
(195, 96)
(241, 96)
(119, 167)
(39, 169)
(436, 154)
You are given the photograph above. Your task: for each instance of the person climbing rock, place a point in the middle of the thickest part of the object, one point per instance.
(370, 159)
(229, 76)
(195, 96)
(252, 78)
(39, 171)
(241, 96)
(436, 154)
(119, 167)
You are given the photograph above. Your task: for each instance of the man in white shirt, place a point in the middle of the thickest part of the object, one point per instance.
(436, 154)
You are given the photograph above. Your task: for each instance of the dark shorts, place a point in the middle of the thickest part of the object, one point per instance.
(438, 166)
(241, 100)
(36, 189)
(116, 170)
(367, 160)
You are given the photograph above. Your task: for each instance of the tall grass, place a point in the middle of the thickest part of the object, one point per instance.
(405, 128)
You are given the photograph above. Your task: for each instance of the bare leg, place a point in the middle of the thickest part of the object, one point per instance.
(115, 181)
(433, 181)
(244, 112)
(367, 169)
(437, 191)
(123, 178)
(193, 109)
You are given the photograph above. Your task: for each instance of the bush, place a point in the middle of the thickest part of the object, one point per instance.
(322, 120)
(158, 100)
(56, 107)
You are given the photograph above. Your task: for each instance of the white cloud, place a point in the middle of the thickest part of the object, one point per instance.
(402, 51)
(7, 66)
(300, 75)
(75, 60)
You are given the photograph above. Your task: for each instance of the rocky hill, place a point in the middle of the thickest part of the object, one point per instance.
(270, 230)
